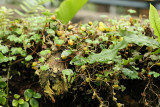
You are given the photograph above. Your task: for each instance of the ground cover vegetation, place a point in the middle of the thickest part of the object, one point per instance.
(110, 63)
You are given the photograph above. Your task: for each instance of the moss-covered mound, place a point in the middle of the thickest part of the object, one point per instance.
(99, 63)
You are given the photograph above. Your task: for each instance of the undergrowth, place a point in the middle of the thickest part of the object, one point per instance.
(92, 58)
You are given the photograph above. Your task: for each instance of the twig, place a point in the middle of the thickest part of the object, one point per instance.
(101, 102)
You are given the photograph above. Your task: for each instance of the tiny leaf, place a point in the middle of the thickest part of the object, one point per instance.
(3, 58)
(28, 94)
(66, 52)
(34, 103)
(59, 42)
(130, 73)
(15, 103)
(21, 101)
(37, 95)
(16, 96)
(25, 104)
(2, 100)
(28, 58)
(155, 74)
(44, 67)
(45, 52)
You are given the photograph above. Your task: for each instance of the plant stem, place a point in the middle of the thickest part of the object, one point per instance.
(100, 100)
(7, 89)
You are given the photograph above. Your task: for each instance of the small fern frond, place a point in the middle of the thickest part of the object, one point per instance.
(5, 15)
(31, 7)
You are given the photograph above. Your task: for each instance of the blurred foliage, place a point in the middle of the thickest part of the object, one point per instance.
(51, 2)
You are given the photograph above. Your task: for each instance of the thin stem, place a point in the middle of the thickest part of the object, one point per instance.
(101, 102)
(7, 89)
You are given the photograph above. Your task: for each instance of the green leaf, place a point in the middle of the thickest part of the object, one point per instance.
(14, 38)
(3, 58)
(156, 52)
(154, 57)
(140, 40)
(96, 41)
(68, 9)
(18, 31)
(50, 31)
(125, 62)
(31, 7)
(28, 58)
(12, 58)
(28, 93)
(24, 8)
(154, 21)
(132, 74)
(78, 60)
(45, 52)
(36, 37)
(67, 72)
(34, 103)
(23, 37)
(3, 94)
(3, 84)
(123, 88)
(37, 95)
(89, 41)
(104, 56)
(155, 74)
(2, 100)
(19, 13)
(16, 96)
(4, 49)
(15, 103)
(44, 67)
(42, 59)
(73, 37)
(15, 51)
(106, 73)
(21, 101)
(66, 52)
(59, 42)
(25, 104)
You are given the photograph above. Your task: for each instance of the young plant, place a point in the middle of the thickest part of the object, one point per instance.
(30, 99)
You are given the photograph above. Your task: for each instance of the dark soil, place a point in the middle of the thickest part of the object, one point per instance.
(130, 97)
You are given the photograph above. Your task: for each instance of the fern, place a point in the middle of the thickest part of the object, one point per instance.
(32, 6)
(5, 15)
(65, 12)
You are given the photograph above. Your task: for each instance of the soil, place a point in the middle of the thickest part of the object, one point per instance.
(130, 97)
